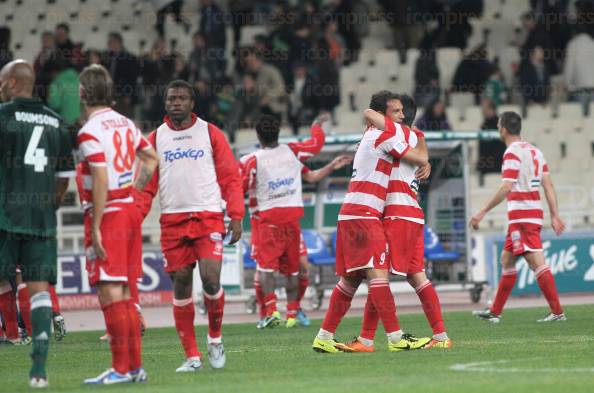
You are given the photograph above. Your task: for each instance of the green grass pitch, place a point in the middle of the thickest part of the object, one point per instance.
(518, 355)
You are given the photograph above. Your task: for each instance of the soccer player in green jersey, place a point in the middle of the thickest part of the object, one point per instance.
(35, 163)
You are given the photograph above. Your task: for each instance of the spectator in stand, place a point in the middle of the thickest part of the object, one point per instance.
(490, 152)
(495, 89)
(200, 64)
(65, 48)
(426, 75)
(157, 72)
(43, 58)
(434, 118)
(300, 113)
(5, 53)
(204, 100)
(324, 95)
(180, 67)
(63, 96)
(538, 34)
(344, 14)
(334, 42)
(94, 57)
(535, 77)
(224, 102)
(124, 69)
(472, 72)
(269, 84)
(246, 107)
(212, 26)
(577, 72)
(241, 12)
(166, 7)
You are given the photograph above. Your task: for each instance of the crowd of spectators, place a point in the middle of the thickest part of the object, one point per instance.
(292, 71)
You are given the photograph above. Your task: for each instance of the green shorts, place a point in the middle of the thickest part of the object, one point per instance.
(36, 256)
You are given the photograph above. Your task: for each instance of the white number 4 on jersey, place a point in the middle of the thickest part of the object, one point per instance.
(33, 155)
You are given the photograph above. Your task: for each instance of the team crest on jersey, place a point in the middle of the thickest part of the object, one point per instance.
(400, 147)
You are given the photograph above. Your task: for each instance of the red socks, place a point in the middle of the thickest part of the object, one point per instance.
(431, 306)
(546, 282)
(55, 301)
(303, 284)
(215, 305)
(25, 307)
(135, 340)
(370, 320)
(183, 313)
(340, 303)
(270, 303)
(118, 327)
(292, 308)
(381, 295)
(8, 309)
(508, 280)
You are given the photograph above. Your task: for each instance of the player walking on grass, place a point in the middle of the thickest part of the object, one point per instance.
(524, 170)
(303, 280)
(272, 176)
(197, 174)
(35, 163)
(361, 249)
(403, 226)
(109, 144)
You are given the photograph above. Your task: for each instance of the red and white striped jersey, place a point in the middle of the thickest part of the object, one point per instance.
(403, 187)
(372, 167)
(524, 165)
(272, 178)
(109, 139)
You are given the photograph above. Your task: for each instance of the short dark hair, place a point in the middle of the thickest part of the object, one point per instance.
(116, 36)
(268, 128)
(63, 26)
(180, 84)
(512, 122)
(379, 101)
(409, 108)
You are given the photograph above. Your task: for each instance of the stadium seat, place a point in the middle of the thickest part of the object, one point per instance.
(317, 250)
(434, 251)
(461, 101)
(248, 262)
(447, 62)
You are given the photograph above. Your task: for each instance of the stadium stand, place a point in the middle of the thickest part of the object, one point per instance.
(559, 128)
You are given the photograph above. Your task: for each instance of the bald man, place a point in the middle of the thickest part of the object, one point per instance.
(35, 163)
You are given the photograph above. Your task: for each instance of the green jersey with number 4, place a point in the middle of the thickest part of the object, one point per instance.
(35, 148)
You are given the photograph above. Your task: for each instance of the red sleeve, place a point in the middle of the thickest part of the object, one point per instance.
(247, 168)
(144, 198)
(389, 125)
(228, 174)
(310, 147)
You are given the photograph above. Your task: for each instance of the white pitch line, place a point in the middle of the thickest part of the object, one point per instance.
(484, 367)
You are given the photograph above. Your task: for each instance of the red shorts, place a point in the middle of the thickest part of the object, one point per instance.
(406, 246)
(254, 224)
(277, 247)
(187, 242)
(522, 238)
(121, 236)
(360, 244)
